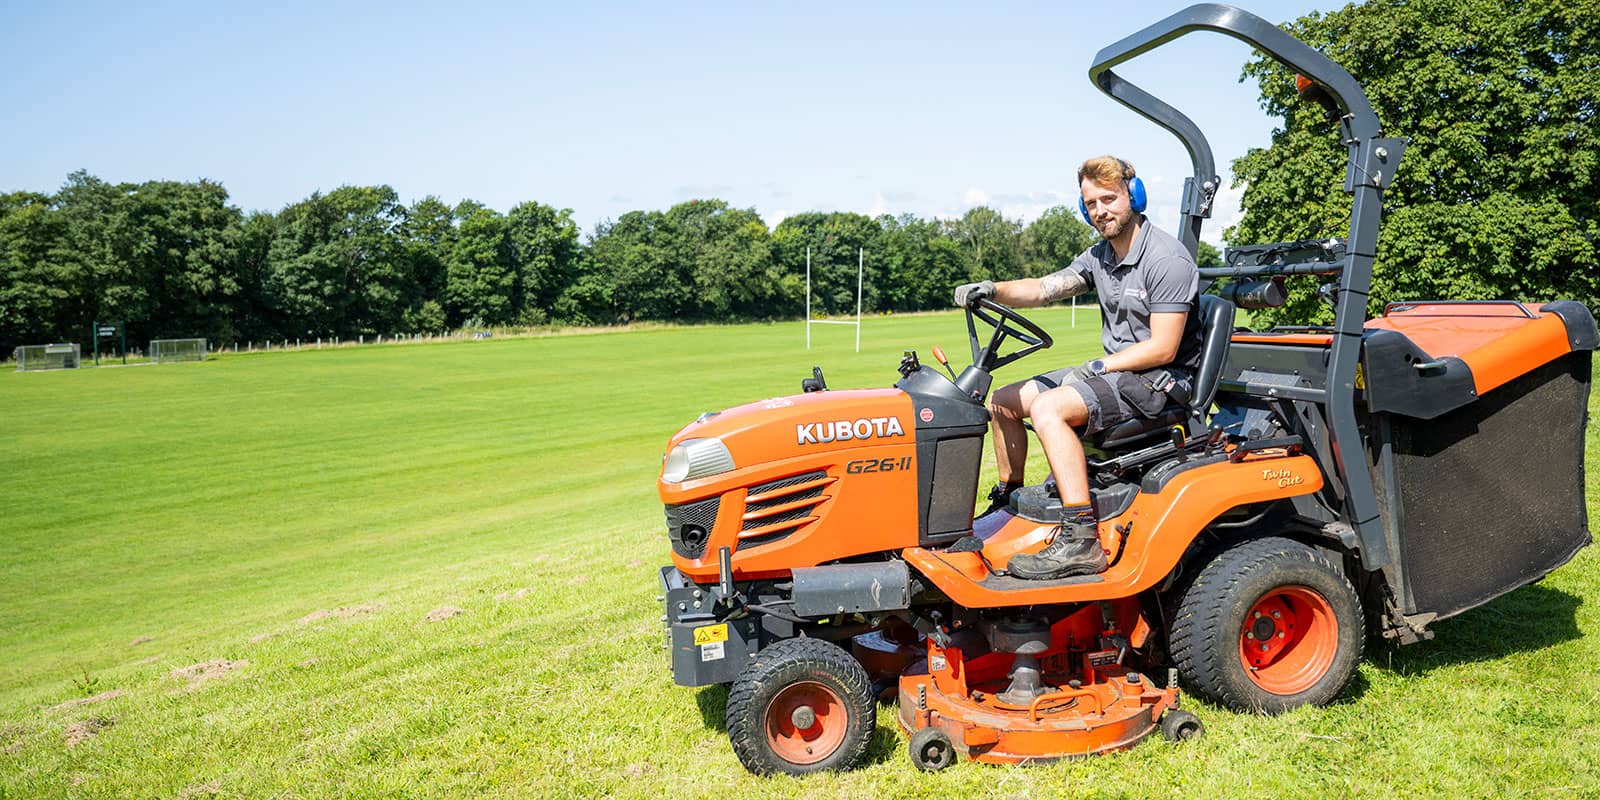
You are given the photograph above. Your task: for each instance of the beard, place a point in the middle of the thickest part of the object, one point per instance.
(1116, 226)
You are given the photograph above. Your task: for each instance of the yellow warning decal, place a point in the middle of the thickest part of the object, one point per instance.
(709, 634)
(1361, 377)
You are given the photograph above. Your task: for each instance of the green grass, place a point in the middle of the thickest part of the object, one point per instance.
(161, 517)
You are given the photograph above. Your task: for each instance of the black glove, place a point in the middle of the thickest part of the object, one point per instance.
(968, 294)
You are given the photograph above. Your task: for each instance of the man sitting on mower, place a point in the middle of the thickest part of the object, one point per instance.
(1148, 286)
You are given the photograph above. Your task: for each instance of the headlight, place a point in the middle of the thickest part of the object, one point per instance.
(696, 458)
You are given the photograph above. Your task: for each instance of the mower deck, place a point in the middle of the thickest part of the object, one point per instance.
(1113, 713)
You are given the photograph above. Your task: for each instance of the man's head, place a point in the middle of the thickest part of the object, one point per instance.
(1111, 195)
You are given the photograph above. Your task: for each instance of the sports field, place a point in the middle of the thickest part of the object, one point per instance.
(430, 571)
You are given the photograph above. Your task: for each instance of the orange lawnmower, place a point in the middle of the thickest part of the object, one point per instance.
(1324, 483)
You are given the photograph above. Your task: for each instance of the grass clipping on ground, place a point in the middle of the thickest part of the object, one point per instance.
(430, 572)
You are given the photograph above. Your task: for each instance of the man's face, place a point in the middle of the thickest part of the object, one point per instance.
(1109, 209)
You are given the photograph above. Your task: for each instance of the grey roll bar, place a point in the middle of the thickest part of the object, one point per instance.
(1371, 166)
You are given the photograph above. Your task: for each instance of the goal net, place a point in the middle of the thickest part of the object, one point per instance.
(35, 357)
(163, 351)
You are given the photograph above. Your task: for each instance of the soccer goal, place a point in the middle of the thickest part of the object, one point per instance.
(163, 351)
(861, 260)
(37, 357)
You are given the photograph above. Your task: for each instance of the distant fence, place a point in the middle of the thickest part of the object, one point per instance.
(164, 351)
(36, 357)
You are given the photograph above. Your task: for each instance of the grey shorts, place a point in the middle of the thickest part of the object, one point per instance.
(1112, 398)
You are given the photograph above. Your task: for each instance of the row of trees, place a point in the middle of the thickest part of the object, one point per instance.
(173, 259)
(1498, 196)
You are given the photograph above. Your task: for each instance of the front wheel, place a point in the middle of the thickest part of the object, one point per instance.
(1268, 625)
(801, 706)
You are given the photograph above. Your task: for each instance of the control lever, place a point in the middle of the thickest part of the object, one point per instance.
(938, 355)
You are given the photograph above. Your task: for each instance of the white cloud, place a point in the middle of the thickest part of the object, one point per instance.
(1225, 211)
(975, 197)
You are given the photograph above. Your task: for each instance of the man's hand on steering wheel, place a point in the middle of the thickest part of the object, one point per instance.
(968, 294)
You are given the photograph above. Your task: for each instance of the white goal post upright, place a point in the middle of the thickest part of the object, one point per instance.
(861, 260)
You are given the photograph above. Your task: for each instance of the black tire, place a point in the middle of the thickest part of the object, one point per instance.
(931, 750)
(1315, 641)
(801, 706)
(1181, 726)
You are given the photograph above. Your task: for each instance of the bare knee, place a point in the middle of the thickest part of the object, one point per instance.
(1058, 408)
(1008, 402)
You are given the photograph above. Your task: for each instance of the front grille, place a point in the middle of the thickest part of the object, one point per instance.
(689, 526)
(778, 508)
(762, 505)
(784, 483)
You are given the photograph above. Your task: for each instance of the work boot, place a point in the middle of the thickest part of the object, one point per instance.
(1074, 549)
(1000, 497)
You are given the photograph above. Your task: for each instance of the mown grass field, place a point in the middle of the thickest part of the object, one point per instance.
(430, 571)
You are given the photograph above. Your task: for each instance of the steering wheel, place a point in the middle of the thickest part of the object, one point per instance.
(1007, 324)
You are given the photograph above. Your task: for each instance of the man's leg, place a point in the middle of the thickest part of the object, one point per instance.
(1075, 550)
(1008, 406)
(1055, 413)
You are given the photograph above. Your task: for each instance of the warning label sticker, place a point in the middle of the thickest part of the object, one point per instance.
(706, 634)
(711, 652)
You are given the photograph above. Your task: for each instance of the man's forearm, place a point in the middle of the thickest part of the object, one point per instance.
(1035, 292)
(1139, 357)
(1023, 293)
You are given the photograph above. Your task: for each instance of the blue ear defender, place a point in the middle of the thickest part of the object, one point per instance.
(1136, 198)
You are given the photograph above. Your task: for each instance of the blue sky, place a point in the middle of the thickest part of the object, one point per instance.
(926, 108)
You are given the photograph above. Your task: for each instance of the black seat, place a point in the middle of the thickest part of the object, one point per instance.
(1216, 325)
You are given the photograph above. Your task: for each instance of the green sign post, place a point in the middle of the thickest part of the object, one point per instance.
(109, 330)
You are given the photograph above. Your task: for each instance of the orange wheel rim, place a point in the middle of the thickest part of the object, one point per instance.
(1288, 640)
(806, 723)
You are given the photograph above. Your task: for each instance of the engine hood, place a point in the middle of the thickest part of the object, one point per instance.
(816, 421)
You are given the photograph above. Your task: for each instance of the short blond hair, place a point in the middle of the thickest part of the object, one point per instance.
(1106, 170)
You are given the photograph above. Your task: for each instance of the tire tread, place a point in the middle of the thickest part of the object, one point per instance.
(792, 657)
(1201, 641)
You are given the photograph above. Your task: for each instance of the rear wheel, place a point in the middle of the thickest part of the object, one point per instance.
(800, 706)
(1268, 625)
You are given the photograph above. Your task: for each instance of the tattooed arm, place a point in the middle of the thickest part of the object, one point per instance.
(1035, 292)
(1060, 285)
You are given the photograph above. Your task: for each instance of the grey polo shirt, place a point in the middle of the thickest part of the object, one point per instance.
(1158, 276)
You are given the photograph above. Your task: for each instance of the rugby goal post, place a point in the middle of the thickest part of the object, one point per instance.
(37, 357)
(861, 260)
(165, 351)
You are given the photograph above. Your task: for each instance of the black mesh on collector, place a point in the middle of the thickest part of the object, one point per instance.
(689, 526)
(1491, 495)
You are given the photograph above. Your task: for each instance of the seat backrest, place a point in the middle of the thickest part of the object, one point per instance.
(1216, 326)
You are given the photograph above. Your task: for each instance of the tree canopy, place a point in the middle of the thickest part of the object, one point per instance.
(1497, 196)
(1498, 192)
(172, 259)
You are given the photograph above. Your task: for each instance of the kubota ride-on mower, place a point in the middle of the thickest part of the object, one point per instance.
(1372, 476)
